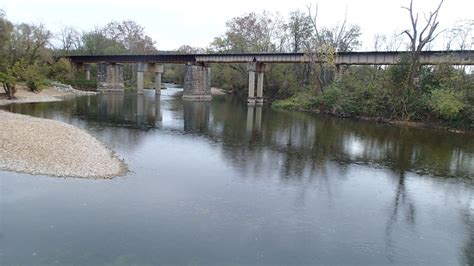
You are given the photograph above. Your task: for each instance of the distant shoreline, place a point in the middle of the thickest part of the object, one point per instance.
(48, 94)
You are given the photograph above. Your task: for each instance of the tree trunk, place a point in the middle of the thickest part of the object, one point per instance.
(10, 90)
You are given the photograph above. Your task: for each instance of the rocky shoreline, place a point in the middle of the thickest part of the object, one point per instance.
(45, 147)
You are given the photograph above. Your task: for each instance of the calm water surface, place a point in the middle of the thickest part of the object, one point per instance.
(220, 183)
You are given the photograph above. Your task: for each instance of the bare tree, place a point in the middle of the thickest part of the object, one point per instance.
(379, 41)
(394, 42)
(326, 42)
(463, 33)
(343, 36)
(70, 39)
(419, 39)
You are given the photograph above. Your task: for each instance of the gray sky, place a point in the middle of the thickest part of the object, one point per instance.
(177, 22)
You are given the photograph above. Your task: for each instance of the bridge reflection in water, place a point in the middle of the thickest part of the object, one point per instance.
(196, 116)
(303, 142)
(342, 174)
(122, 109)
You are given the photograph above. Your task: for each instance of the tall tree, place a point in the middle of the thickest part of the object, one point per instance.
(6, 78)
(249, 33)
(6, 28)
(419, 38)
(70, 39)
(325, 43)
(131, 35)
(300, 29)
(29, 43)
(96, 43)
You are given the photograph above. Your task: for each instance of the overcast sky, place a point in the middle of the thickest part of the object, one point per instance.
(177, 22)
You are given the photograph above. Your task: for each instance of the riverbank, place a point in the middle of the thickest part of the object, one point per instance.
(48, 94)
(429, 125)
(45, 147)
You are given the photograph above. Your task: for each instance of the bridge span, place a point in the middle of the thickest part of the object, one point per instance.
(197, 75)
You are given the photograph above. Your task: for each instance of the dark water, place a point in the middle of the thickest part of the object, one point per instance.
(220, 183)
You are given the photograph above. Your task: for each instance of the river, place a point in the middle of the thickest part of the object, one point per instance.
(222, 183)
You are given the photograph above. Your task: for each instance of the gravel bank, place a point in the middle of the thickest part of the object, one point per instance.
(49, 94)
(46, 147)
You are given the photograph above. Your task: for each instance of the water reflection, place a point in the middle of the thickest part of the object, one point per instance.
(251, 124)
(302, 143)
(196, 116)
(221, 181)
(120, 109)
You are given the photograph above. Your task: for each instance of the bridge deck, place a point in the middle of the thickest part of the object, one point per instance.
(348, 58)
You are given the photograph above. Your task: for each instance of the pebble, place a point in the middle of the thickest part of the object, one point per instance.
(47, 147)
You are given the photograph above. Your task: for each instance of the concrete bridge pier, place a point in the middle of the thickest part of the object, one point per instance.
(87, 67)
(260, 71)
(251, 98)
(158, 72)
(140, 77)
(83, 67)
(197, 82)
(110, 77)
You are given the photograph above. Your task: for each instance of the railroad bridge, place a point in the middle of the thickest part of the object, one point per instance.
(197, 80)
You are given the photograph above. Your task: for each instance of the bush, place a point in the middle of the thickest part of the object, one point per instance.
(62, 71)
(34, 78)
(445, 103)
(82, 83)
(300, 101)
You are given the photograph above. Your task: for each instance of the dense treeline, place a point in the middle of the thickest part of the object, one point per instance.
(404, 92)
(27, 52)
(409, 91)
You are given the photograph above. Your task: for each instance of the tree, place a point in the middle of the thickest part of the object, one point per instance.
(419, 39)
(5, 36)
(29, 43)
(131, 35)
(96, 43)
(70, 39)
(300, 30)
(6, 78)
(249, 33)
(324, 45)
(394, 42)
(379, 41)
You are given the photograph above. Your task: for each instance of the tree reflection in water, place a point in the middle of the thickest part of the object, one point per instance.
(303, 143)
(298, 150)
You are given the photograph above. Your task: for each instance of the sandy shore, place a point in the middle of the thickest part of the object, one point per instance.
(46, 147)
(49, 94)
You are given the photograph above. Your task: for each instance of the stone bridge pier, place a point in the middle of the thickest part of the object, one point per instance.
(110, 77)
(197, 82)
(259, 68)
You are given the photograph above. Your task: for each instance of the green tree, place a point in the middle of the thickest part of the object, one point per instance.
(131, 36)
(300, 30)
(97, 43)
